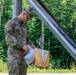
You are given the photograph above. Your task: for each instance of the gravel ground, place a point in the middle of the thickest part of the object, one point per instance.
(44, 73)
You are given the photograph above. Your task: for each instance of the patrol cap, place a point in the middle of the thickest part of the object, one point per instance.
(29, 12)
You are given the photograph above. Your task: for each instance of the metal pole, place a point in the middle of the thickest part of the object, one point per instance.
(42, 42)
(42, 38)
(17, 8)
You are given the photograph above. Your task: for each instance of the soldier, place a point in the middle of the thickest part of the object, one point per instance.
(17, 41)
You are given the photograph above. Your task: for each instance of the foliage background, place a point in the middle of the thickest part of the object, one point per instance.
(65, 13)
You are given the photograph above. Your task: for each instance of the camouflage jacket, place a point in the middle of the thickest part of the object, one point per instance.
(16, 34)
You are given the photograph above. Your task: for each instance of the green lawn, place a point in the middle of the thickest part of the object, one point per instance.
(31, 68)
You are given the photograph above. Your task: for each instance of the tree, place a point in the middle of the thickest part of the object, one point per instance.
(1, 9)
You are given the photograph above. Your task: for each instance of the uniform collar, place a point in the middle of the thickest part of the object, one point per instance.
(21, 22)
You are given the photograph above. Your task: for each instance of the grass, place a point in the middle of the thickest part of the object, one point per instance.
(3, 67)
(33, 69)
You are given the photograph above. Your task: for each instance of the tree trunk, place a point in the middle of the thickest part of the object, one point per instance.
(1, 9)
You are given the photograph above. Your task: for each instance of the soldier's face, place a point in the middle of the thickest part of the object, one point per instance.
(25, 17)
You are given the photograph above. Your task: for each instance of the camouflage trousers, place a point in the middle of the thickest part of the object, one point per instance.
(16, 64)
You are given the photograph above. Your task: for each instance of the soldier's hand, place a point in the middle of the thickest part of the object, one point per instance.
(33, 46)
(26, 48)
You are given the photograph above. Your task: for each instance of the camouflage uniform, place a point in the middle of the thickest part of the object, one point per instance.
(16, 35)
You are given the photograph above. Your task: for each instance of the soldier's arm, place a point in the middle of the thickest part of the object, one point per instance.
(11, 40)
(29, 41)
